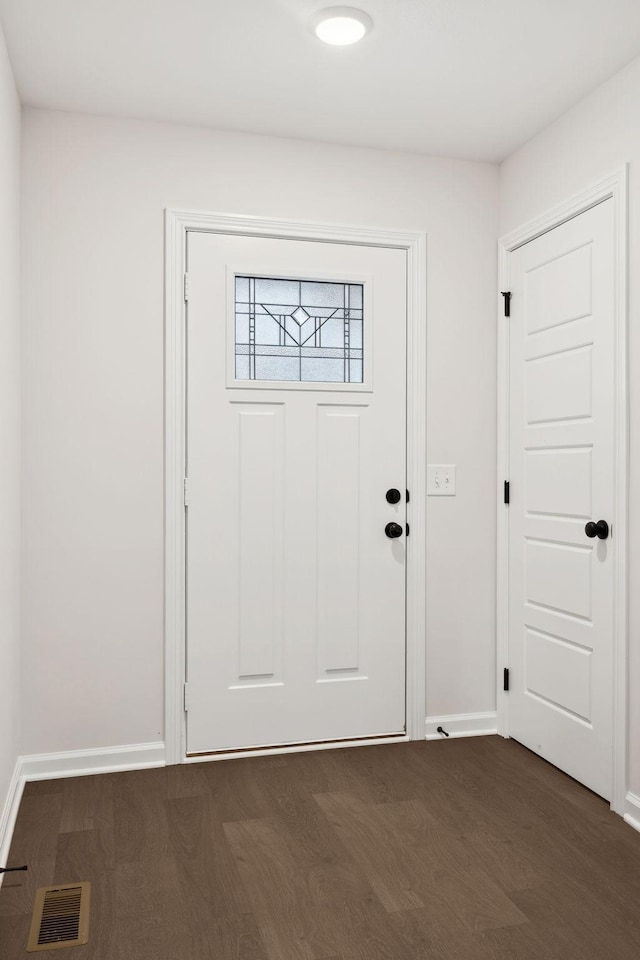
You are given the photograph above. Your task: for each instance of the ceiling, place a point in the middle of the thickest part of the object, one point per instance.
(456, 78)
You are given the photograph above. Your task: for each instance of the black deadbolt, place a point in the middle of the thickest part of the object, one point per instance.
(599, 529)
(393, 495)
(393, 530)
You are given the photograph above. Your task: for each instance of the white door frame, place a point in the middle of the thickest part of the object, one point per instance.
(615, 187)
(177, 224)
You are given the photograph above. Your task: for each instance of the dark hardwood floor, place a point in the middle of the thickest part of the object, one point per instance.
(457, 850)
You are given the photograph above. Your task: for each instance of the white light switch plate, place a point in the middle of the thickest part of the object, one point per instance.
(441, 480)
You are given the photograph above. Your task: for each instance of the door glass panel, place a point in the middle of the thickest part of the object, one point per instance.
(300, 330)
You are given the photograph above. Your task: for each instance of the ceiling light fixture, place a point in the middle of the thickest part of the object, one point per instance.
(341, 26)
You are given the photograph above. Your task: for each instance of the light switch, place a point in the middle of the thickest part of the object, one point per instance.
(441, 480)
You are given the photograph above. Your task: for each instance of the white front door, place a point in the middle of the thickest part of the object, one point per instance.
(561, 411)
(296, 430)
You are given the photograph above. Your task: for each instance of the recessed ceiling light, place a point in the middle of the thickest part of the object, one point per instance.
(342, 25)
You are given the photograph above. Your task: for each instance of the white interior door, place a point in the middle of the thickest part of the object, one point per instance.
(296, 408)
(561, 413)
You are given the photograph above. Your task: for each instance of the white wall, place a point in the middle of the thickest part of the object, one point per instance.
(93, 199)
(593, 139)
(9, 419)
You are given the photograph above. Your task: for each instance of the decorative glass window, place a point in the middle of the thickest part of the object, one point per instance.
(301, 330)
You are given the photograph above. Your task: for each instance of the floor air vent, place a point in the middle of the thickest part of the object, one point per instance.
(60, 917)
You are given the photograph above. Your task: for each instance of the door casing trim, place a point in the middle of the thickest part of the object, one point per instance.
(614, 187)
(177, 224)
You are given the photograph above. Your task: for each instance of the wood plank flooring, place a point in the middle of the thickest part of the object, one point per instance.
(457, 850)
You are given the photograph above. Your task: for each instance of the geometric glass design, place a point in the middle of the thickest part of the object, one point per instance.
(301, 330)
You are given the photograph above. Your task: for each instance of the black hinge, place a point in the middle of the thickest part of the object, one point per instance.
(506, 678)
(507, 302)
(507, 493)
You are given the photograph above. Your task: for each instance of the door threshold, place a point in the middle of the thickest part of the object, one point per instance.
(302, 747)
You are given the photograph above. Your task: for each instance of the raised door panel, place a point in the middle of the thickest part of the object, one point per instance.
(558, 673)
(260, 541)
(558, 290)
(338, 525)
(559, 386)
(558, 482)
(558, 577)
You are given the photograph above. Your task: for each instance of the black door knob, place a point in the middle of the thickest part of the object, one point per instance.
(599, 529)
(393, 530)
(393, 495)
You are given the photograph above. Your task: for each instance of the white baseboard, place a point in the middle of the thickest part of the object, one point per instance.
(9, 814)
(462, 725)
(632, 811)
(82, 763)
(73, 763)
